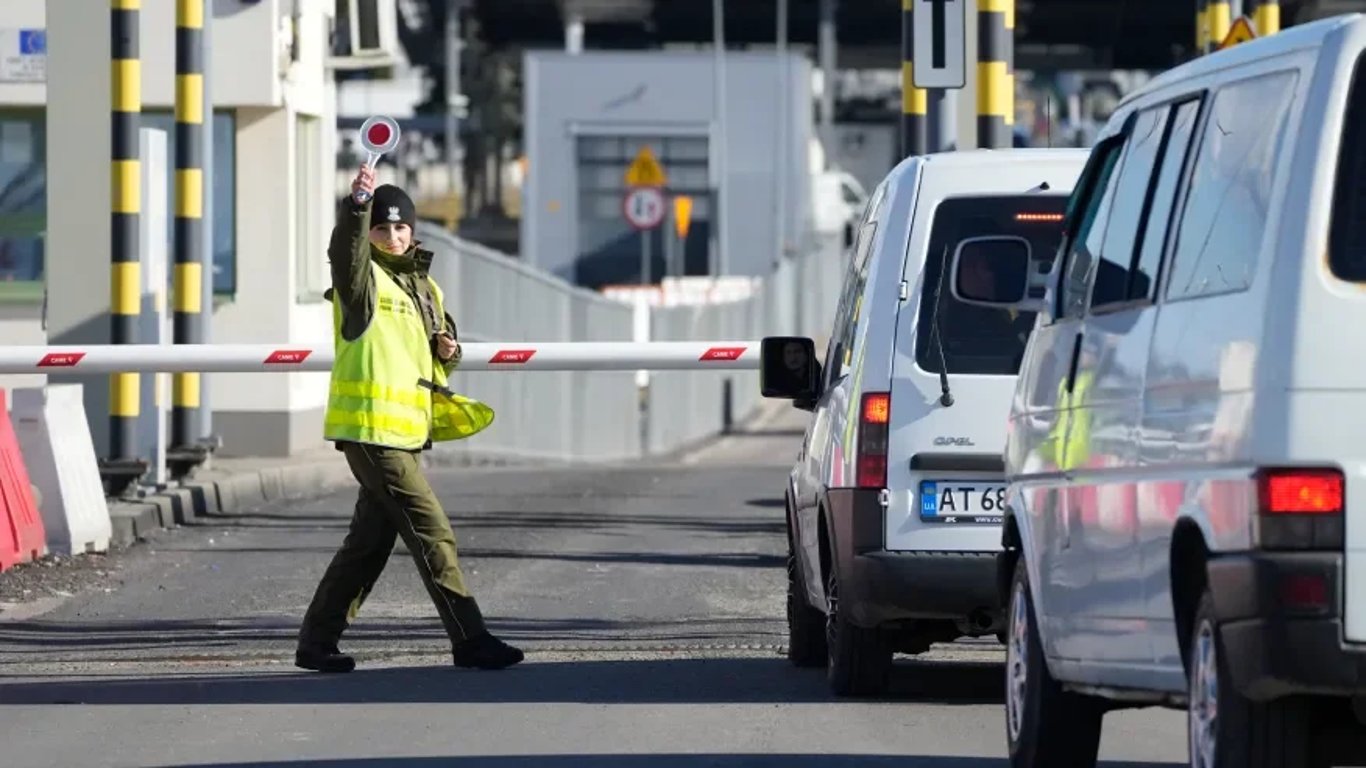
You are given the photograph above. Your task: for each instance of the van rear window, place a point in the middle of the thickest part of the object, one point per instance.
(980, 340)
(1347, 235)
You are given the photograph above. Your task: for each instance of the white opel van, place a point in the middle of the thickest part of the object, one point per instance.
(1186, 514)
(894, 503)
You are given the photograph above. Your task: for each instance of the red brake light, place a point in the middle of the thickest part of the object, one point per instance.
(1302, 492)
(874, 416)
(1038, 217)
(877, 408)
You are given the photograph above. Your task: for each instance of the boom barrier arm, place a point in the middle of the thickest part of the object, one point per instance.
(281, 358)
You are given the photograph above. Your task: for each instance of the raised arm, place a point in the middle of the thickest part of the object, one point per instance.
(349, 255)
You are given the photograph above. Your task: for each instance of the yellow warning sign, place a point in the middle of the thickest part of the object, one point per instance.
(682, 215)
(645, 171)
(1241, 32)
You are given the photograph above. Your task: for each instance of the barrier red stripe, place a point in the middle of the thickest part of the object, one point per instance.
(60, 359)
(512, 356)
(723, 353)
(288, 356)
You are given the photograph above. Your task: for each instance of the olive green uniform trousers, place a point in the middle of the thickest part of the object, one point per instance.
(395, 500)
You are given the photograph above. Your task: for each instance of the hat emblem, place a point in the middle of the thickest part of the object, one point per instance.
(393, 213)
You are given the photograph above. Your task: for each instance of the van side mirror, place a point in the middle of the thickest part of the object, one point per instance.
(788, 370)
(994, 272)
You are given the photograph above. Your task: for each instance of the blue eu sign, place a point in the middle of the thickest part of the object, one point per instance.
(32, 42)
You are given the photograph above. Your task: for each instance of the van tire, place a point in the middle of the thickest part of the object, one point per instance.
(1245, 733)
(1055, 727)
(859, 659)
(805, 625)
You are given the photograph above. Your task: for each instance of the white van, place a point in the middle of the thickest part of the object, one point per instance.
(894, 504)
(1187, 445)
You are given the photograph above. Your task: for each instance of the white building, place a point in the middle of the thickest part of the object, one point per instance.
(272, 192)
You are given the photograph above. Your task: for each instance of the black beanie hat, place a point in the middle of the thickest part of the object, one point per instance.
(392, 205)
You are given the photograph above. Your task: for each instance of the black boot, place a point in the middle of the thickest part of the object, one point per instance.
(484, 651)
(323, 658)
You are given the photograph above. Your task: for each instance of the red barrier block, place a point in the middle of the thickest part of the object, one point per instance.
(22, 537)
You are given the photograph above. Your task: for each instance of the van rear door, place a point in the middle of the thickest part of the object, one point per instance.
(945, 468)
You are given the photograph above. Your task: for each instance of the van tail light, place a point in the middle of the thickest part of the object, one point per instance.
(1301, 509)
(874, 417)
(1302, 492)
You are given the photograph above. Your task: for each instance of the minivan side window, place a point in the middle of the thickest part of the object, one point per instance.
(850, 306)
(1347, 234)
(1163, 205)
(1085, 244)
(1229, 195)
(1111, 283)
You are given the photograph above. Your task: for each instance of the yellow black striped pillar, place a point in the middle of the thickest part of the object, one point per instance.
(995, 72)
(914, 104)
(188, 309)
(125, 287)
(1201, 27)
(1218, 20)
(1266, 16)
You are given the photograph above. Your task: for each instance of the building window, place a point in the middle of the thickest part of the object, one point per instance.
(23, 202)
(224, 272)
(23, 199)
(312, 274)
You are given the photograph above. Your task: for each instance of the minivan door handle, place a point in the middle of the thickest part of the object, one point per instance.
(1076, 360)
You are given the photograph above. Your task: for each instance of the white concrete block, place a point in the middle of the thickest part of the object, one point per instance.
(54, 436)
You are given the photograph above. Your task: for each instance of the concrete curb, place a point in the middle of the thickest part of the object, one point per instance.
(216, 493)
(222, 493)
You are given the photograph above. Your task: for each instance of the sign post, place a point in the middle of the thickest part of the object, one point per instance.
(644, 202)
(939, 63)
(941, 53)
(378, 135)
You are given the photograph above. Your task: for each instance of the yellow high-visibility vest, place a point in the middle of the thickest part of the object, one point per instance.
(1071, 449)
(375, 397)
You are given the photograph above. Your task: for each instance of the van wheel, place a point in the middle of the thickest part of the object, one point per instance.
(805, 625)
(859, 659)
(1045, 725)
(1224, 729)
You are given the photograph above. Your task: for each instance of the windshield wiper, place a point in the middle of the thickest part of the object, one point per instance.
(946, 398)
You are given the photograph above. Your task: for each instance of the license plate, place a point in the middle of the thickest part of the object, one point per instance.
(954, 502)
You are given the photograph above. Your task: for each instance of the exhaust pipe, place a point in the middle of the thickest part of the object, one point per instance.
(981, 622)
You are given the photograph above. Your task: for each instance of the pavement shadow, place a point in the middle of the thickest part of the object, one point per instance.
(655, 761)
(517, 519)
(653, 681)
(112, 641)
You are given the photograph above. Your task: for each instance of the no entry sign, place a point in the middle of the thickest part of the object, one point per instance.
(644, 207)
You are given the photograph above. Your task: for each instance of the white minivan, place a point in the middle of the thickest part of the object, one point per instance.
(894, 501)
(1187, 440)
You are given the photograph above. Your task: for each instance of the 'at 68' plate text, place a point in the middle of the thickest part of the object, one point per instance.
(951, 502)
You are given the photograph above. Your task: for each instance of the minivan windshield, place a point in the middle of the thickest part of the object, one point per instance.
(981, 340)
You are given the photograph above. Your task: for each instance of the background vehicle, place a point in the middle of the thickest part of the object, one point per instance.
(894, 503)
(1186, 434)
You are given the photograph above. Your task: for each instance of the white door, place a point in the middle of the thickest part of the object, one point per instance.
(945, 467)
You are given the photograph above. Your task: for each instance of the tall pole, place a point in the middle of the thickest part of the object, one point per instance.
(1266, 16)
(995, 78)
(1218, 19)
(205, 426)
(125, 299)
(826, 44)
(189, 213)
(453, 51)
(914, 104)
(783, 151)
(718, 213)
(1201, 27)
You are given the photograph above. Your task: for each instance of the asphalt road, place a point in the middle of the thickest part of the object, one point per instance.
(649, 599)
